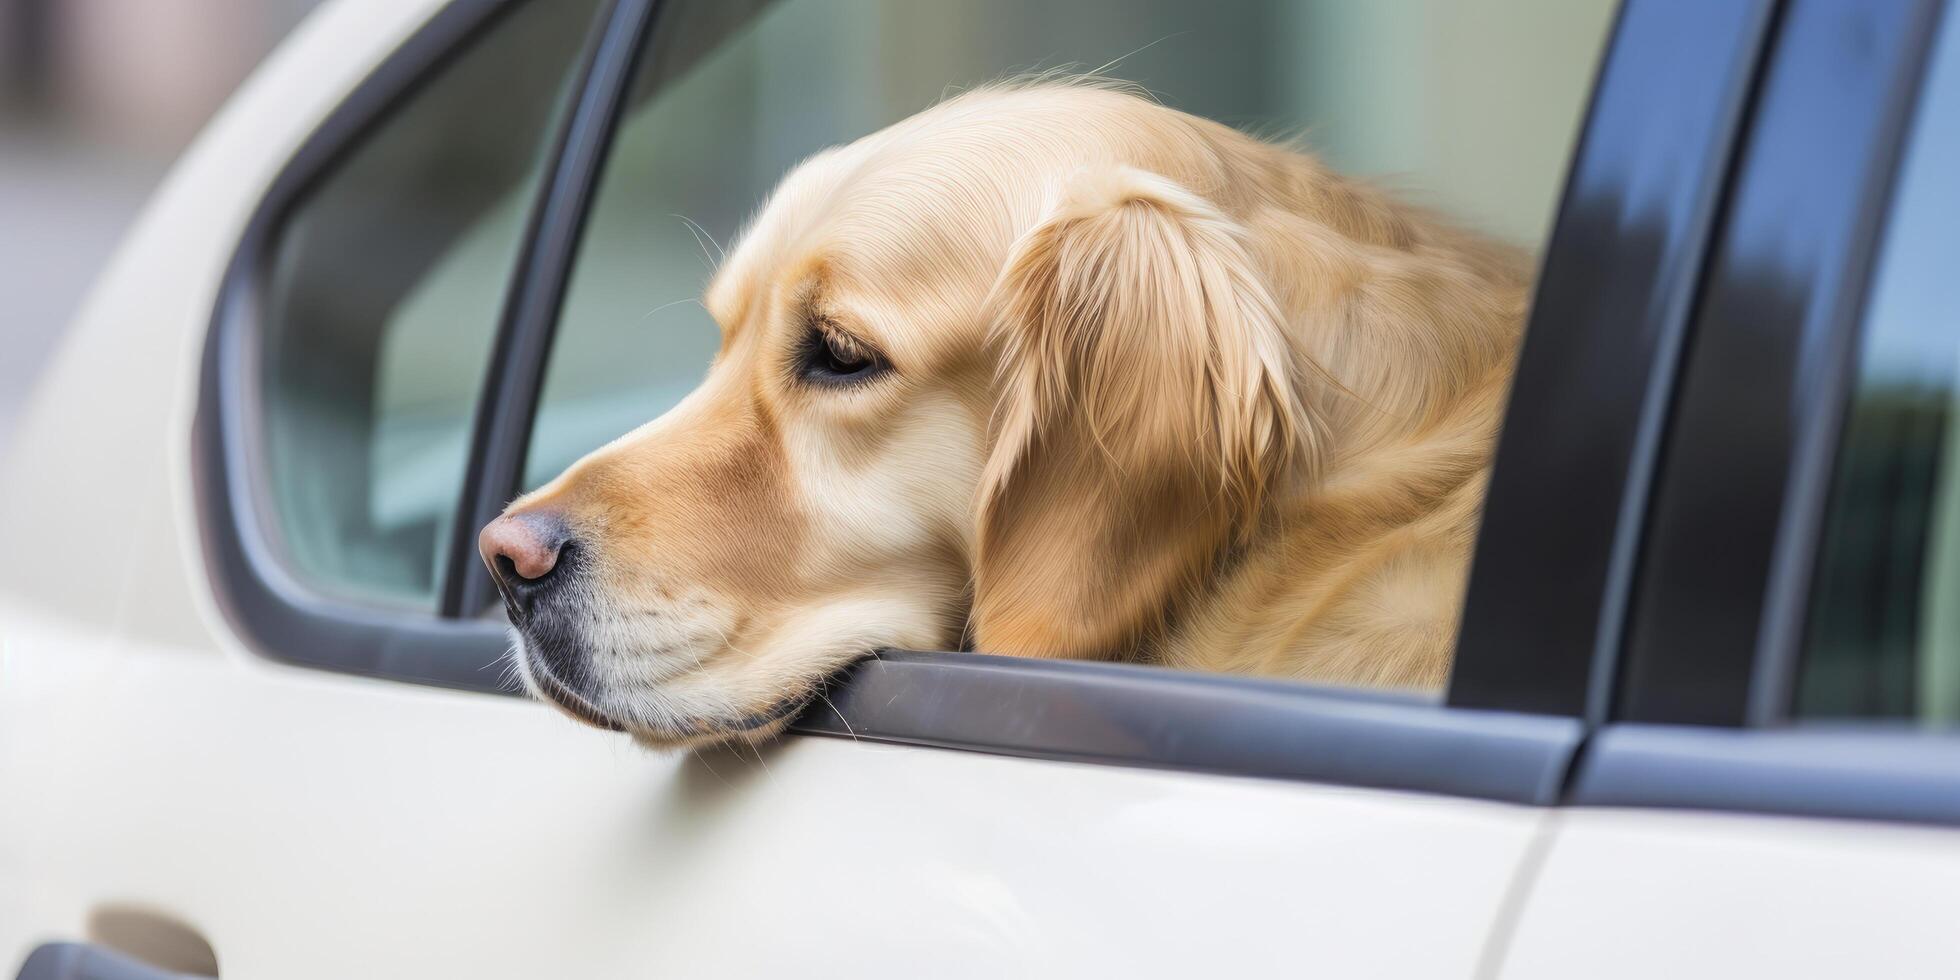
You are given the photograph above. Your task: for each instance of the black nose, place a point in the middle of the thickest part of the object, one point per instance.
(525, 552)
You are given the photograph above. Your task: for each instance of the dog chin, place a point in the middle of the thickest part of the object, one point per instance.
(755, 726)
(668, 733)
(702, 735)
(544, 686)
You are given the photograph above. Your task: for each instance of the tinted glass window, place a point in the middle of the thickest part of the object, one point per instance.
(1884, 635)
(381, 303)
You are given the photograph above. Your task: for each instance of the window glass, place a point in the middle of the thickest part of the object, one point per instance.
(1884, 632)
(381, 303)
(1468, 105)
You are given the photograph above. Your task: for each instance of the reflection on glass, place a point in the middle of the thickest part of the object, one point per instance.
(1884, 632)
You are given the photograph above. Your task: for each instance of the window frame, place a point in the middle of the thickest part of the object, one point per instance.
(1702, 716)
(1576, 455)
(1513, 719)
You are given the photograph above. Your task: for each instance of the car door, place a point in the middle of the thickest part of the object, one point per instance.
(395, 285)
(1774, 788)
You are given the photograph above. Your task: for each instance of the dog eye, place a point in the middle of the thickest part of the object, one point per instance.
(829, 357)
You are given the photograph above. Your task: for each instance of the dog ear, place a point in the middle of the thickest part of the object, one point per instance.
(1148, 406)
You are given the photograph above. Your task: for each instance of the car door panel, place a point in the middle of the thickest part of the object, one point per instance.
(317, 825)
(1645, 893)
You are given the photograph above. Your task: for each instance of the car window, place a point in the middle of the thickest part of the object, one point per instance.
(381, 300)
(1468, 108)
(1884, 632)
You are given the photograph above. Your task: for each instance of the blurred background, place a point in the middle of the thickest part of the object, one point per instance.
(97, 97)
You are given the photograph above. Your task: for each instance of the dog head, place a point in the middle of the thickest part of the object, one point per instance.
(1010, 374)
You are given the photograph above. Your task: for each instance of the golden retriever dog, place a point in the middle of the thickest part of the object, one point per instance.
(1048, 370)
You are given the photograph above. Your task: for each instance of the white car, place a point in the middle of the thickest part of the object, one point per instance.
(253, 716)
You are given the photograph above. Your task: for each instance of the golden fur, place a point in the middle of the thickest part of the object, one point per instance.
(1157, 391)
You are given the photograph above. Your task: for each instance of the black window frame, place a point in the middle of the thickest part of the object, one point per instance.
(1701, 716)
(1514, 717)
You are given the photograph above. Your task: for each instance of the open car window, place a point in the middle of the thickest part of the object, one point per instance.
(1468, 109)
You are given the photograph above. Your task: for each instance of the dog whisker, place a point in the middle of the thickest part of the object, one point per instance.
(700, 233)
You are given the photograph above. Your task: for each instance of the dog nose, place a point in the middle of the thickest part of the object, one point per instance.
(523, 549)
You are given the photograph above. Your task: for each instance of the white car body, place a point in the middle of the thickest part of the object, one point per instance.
(310, 824)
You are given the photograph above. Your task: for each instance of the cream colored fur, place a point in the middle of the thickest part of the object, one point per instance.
(1158, 392)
